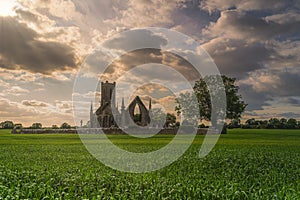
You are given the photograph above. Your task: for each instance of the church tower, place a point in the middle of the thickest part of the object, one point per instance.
(108, 94)
(107, 108)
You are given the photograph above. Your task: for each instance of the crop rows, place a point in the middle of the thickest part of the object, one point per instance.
(59, 167)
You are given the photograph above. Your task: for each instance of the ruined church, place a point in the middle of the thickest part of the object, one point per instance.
(108, 114)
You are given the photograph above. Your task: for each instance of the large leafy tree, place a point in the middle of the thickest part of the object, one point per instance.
(234, 102)
(7, 125)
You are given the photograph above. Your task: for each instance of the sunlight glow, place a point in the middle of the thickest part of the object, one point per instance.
(7, 7)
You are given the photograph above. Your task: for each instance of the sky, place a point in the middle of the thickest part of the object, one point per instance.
(44, 43)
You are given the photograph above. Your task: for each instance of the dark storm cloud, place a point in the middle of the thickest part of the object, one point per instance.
(248, 38)
(139, 57)
(243, 25)
(288, 85)
(290, 115)
(283, 90)
(243, 41)
(247, 5)
(236, 58)
(282, 84)
(129, 40)
(255, 100)
(189, 19)
(20, 48)
(290, 101)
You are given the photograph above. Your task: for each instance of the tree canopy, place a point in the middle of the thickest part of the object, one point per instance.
(65, 126)
(7, 125)
(272, 123)
(234, 102)
(36, 126)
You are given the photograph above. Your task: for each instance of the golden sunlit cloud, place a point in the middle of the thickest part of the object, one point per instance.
(7, 7)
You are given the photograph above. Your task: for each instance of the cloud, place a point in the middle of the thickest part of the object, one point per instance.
(3, 83)
(32, 111)
(288, 55)
(270, 88)
(167, 103)
(98, 62)
(284, 18)
(236, 58)
(64, 106)
(288, 84)
(20, 48)
(258, 47)
(255, 100)
(62, 9)
(275, 83)
(290, 100)
(237, 24)
(27, 15)
(19, 75)
(128, 40)
(15, 91)
(153, 91)
(10, 109)
(212, 5)
(290, 115)
(34, 103)
(143, 13)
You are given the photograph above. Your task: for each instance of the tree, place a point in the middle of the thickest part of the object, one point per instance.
(274, 123)
(54, 126)
(7, 125)
(291, 123)
(18, 125)
(170, 120)
(235, 123)
(283, 122)
(235, 105)
(36, 126)
(158, 117)
(65, 126)
(262, 123)
(251, 122)
(188, 106)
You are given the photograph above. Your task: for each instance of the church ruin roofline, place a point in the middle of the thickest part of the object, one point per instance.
(104, 113)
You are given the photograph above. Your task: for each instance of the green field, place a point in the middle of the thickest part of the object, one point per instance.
(245, 164)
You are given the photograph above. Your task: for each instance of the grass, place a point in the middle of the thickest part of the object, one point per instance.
(245, 164)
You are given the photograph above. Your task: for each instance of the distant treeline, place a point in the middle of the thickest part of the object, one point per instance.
(273, 123)
(11, 125)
